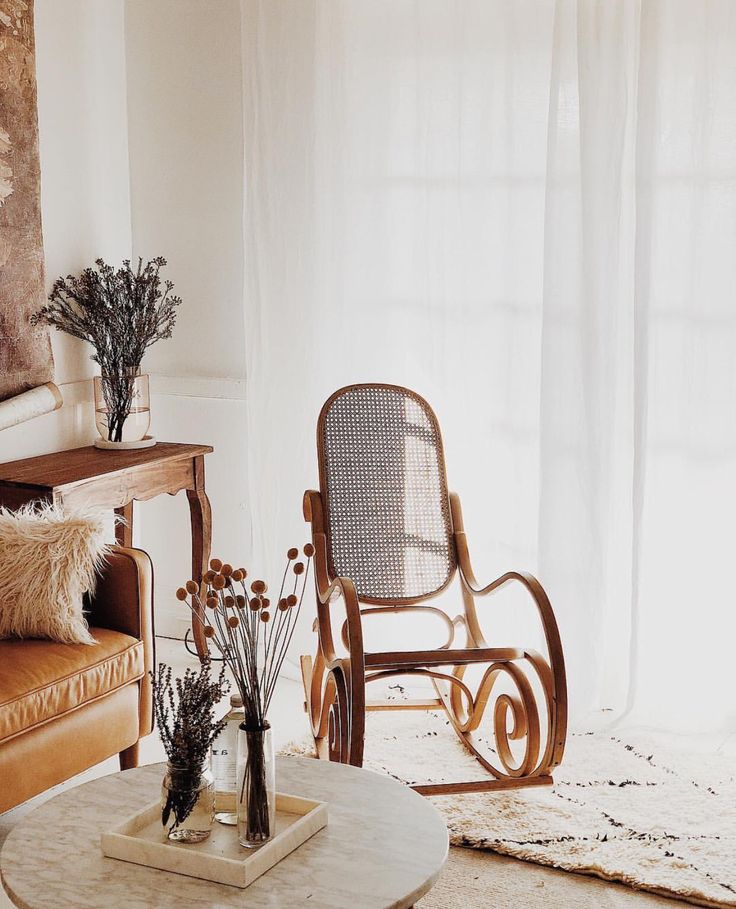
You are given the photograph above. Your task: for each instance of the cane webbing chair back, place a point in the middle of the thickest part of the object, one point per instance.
(384, 492)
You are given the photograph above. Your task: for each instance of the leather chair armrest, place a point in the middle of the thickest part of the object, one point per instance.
(123, 601)
(123, 598)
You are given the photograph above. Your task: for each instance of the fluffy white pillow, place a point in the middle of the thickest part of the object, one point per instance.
(48, 561)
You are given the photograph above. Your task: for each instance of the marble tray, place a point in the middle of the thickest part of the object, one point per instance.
(219, 858)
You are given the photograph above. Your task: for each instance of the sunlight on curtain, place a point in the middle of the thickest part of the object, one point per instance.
(525, 211)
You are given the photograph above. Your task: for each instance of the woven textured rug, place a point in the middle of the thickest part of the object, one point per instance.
(624, 807)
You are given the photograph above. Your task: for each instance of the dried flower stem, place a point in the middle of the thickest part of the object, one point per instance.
(251, 637)
(187, 727)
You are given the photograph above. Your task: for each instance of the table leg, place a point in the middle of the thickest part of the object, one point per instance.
(201, 519)
(124, 528)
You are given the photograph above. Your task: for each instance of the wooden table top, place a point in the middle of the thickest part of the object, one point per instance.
(62, 468)
(383, 848)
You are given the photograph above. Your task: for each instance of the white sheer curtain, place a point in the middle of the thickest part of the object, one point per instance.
(526, 211)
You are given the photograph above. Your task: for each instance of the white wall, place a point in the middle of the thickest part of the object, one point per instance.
(80, 64)
(186, 173)
(214, 419)
(186, 177)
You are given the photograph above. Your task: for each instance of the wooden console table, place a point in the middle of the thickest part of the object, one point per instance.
(114, 479)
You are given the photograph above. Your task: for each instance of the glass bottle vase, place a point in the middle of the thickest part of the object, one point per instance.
(256, 786)
(224, 762)
(122, 407)
(188, 802)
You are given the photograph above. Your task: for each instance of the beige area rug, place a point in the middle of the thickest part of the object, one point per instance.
(623, 808)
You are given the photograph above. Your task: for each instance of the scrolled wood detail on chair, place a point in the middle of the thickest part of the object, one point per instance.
(520, 705)
(551, 673)
(338, 717)
(388, 610)
(350, 673)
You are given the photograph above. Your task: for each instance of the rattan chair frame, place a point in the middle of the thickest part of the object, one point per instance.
(335, 685)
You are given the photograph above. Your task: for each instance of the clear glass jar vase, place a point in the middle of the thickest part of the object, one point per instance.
(122, 407)
(188, 802)
(256, 786)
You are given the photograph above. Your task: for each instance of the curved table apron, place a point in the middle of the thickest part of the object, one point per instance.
(383, 848)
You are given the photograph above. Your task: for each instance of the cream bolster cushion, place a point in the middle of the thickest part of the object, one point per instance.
(48, 561)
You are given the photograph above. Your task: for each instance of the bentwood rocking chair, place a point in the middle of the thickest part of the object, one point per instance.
(388, 537)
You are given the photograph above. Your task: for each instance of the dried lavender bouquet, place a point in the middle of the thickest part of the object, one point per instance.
(184, 711)
(253, 638)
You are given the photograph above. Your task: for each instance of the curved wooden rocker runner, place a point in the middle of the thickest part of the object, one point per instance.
(388, 537)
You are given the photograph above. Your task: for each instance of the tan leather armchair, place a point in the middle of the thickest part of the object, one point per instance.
(66, 707)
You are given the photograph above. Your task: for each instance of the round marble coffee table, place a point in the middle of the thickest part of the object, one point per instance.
(383, 848)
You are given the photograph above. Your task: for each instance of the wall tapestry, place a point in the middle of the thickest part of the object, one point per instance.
(25, 353)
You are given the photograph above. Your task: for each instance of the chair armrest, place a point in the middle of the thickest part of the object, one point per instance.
(328, 587)
(123, 598)
(123, 601)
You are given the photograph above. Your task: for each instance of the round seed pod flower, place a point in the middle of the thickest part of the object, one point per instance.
(245, 573)
(299, 568)
(292, 600)
(265, 616)
(265, 602)
(238, 574)
(192, 587)
(292, 553)
(233, 621)
(255, 604)
(209, 631)
(229, 601)
(227, 570)
(259, 587)
(283, 605)
(181, 594)
(212, 602)
(309, 550)
(208, 576)
(218, 582)
(215, 564)
(240, 600)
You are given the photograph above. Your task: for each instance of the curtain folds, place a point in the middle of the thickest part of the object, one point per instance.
(526, 211)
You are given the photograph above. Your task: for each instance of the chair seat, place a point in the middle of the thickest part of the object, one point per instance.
(418, 658)
(41, 680)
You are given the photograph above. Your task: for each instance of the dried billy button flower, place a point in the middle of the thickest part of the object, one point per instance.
(254, 659)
